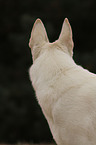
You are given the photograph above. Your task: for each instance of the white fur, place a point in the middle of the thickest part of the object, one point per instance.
(65, 91)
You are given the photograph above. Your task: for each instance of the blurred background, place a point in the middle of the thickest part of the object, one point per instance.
(21, 119)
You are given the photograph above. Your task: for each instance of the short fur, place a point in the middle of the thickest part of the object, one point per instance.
(65, 91)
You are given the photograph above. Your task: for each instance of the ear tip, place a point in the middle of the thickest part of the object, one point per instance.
(38, 21)
(66, 20)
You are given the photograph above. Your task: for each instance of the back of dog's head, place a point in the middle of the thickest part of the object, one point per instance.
(39, 39)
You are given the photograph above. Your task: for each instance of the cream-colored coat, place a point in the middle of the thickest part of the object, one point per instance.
(65, 91)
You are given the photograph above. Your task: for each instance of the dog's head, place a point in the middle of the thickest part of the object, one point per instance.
(39, 40)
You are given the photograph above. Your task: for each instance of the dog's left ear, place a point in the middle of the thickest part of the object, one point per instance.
(38, 38)
(38, 34)
(65, 37)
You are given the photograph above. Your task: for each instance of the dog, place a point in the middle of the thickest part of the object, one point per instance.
(65, 91)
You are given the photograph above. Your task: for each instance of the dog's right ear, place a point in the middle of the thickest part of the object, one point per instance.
(65, 37)
(38, 36)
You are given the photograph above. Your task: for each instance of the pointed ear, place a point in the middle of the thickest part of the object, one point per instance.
(65, 37)
(38, 34)
(38, 38)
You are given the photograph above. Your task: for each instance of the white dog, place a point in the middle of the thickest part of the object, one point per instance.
(65, 91)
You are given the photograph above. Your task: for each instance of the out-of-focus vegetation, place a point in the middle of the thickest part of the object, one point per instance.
(21, 118)
(28, 144)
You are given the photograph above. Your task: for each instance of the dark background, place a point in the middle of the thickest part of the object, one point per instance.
(21, 119)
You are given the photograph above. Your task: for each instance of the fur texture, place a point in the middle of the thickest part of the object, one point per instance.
(65, 91)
